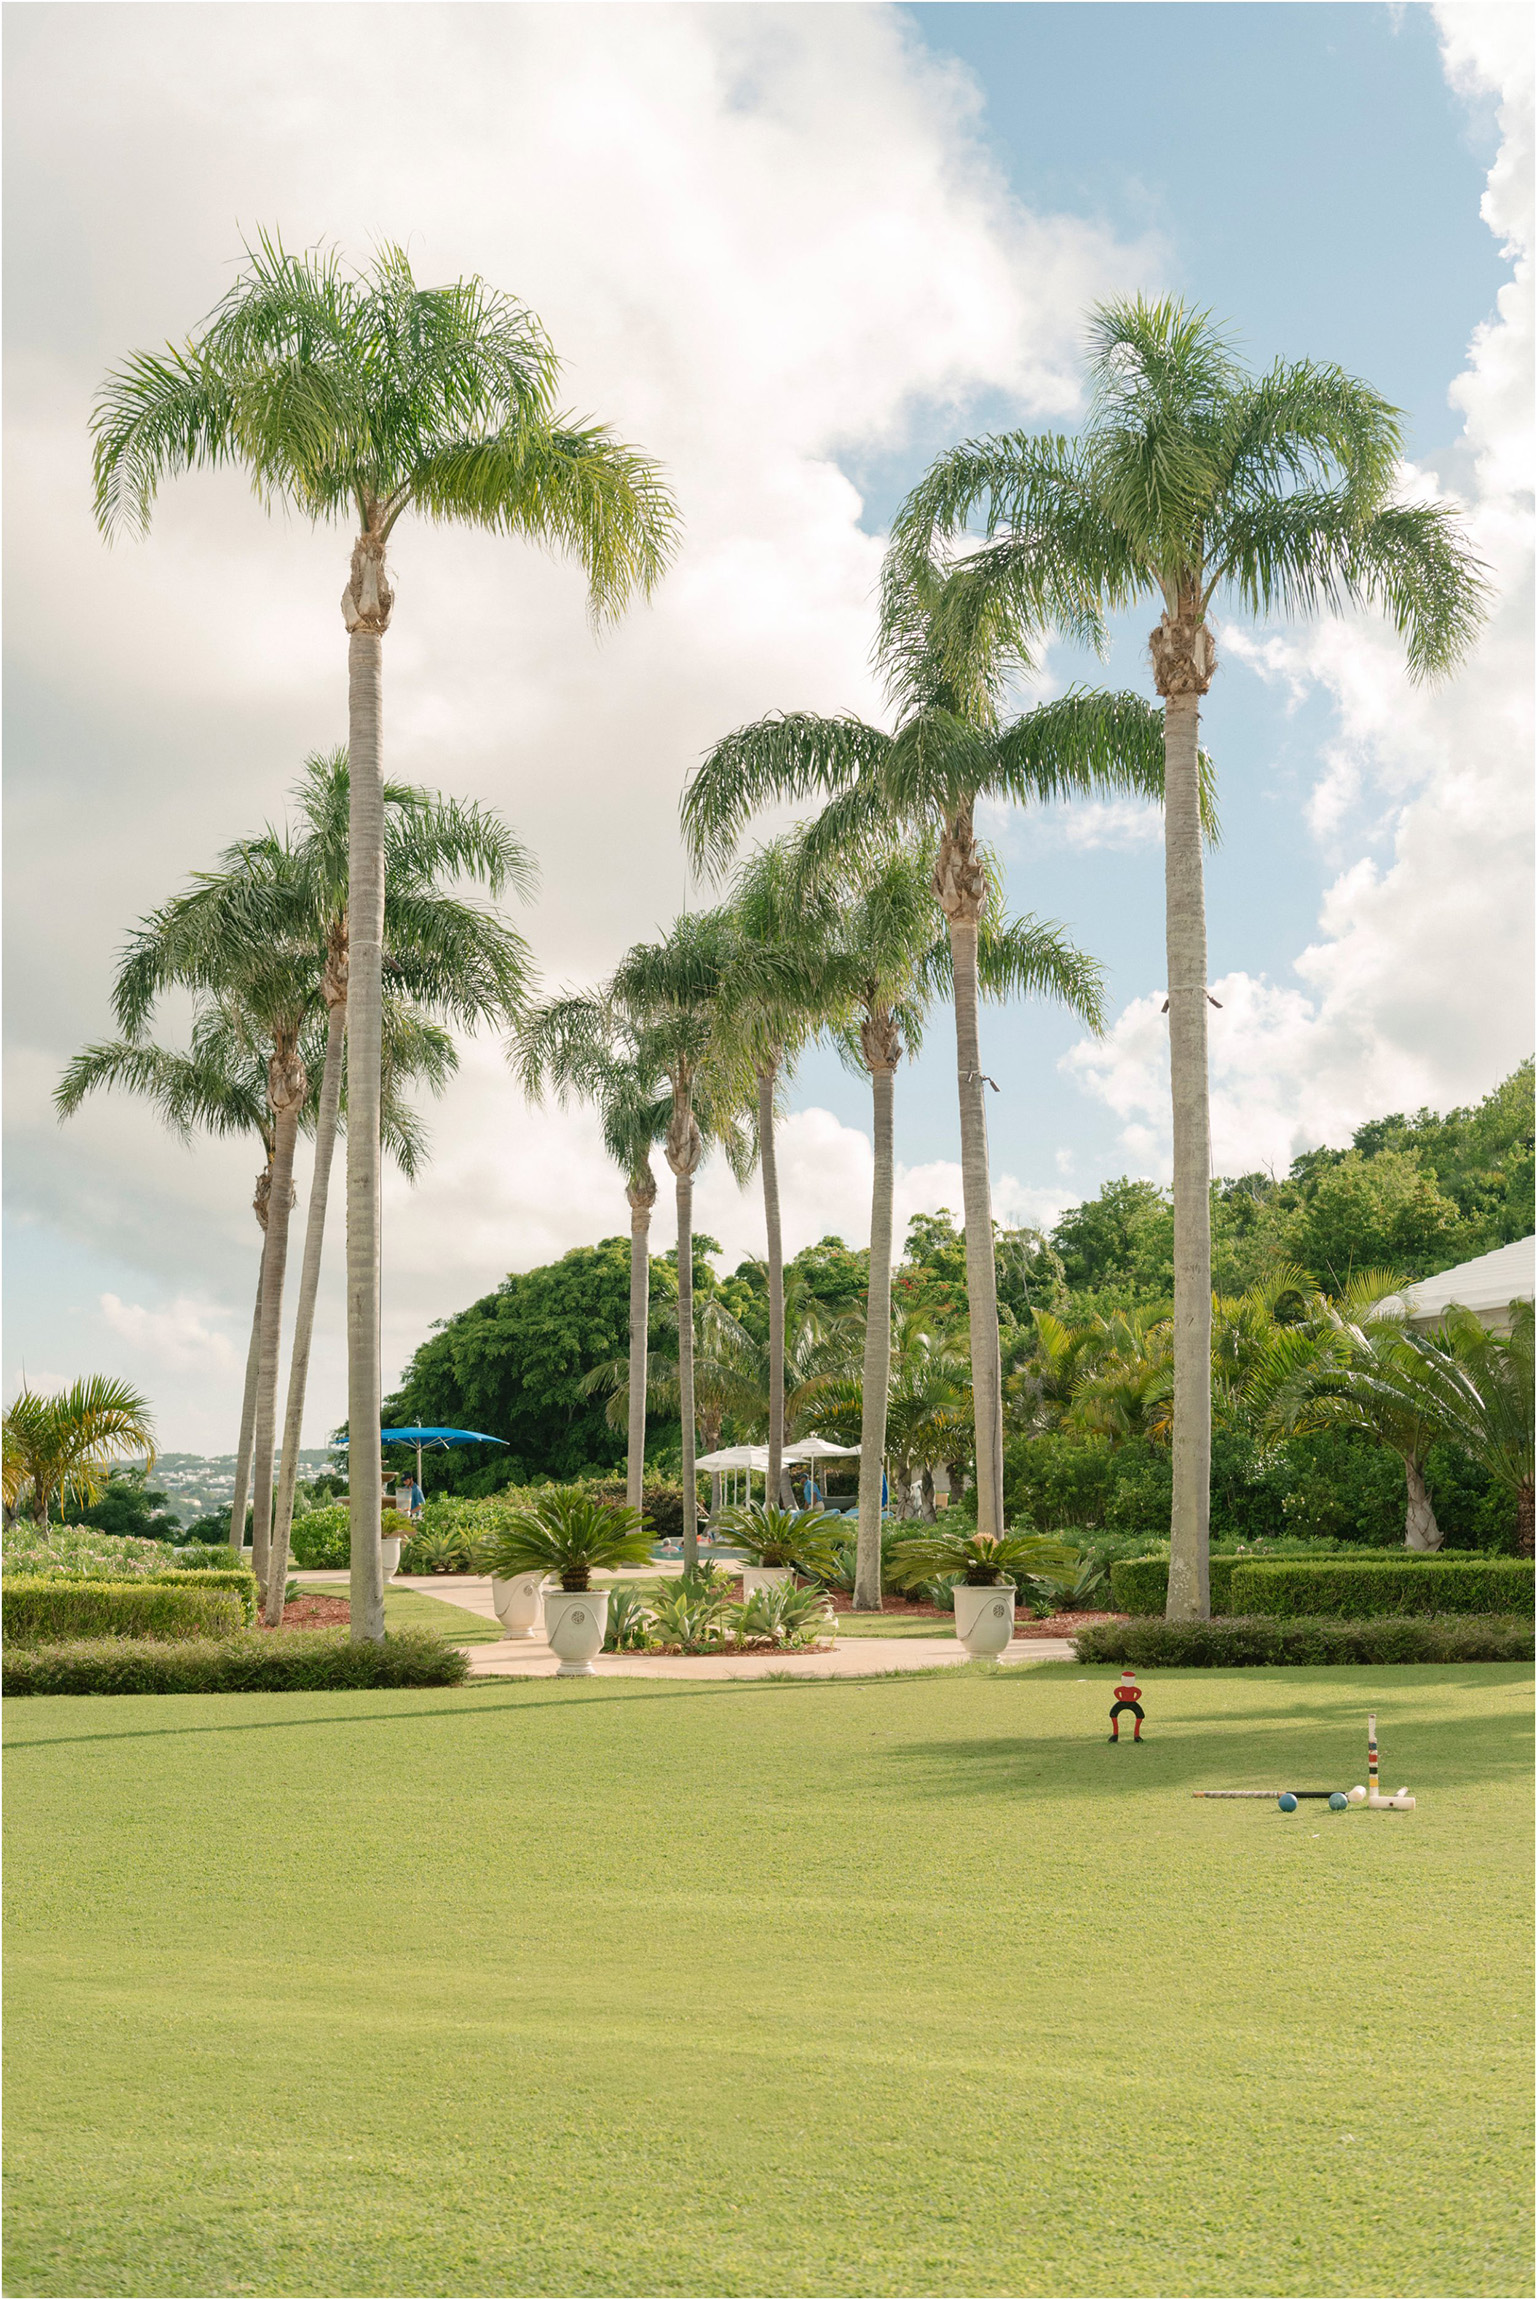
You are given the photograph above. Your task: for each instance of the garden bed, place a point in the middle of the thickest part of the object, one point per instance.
(314, 1613)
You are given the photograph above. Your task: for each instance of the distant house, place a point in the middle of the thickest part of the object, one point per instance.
(1487, 1286)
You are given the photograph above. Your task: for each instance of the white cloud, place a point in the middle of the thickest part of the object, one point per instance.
(759, 237)
(1417, 987)
(184, 1335)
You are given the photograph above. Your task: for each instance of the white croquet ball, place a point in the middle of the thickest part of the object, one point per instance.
(1357, 1796)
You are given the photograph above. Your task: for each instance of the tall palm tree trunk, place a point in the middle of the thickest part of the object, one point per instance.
(768, 1162)
(365, 909)
(274, 1268)
(1183, 661)
(685, 1195)
(1420, 1528)
(877, 1368)
(642, 1199)
(248, 1413)
(304, 1320)
(977, 1203)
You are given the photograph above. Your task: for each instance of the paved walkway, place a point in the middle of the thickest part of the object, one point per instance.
(849, 1657)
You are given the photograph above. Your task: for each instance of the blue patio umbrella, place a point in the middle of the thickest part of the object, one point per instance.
(432, 1440)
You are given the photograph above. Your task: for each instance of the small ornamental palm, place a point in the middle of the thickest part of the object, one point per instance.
(984, 1560)
(571, 1535)
(800, 1538)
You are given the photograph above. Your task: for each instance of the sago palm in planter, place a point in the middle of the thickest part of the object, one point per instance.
(571, 1536)
(779, 1543)
(989, 1565)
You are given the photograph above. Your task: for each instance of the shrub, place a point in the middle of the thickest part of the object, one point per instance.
(36, 1550)
(279, 1661)
(1141, 1584)
(770, 1536)
(238, 1578)
(52, 1610)
(570, 1534)
(628, 1626)
(1355, 1588)
(320, 1540)
(204, 1557)
(982, 1560)
(1263, 1641)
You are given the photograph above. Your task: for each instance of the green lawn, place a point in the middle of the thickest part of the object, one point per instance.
(414, 1609)
(895, 1986)
(893, 1625)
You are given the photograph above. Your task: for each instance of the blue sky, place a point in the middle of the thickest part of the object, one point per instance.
(1316, 184)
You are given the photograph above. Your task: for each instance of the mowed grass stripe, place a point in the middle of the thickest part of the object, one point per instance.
(903, 1985)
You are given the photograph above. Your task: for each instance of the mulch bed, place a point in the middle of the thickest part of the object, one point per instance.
(314, 1613)
(1063, 1624)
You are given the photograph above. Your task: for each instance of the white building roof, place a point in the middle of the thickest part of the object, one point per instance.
(1487, 1285)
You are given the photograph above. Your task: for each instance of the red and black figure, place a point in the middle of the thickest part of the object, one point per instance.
(1128, 1695)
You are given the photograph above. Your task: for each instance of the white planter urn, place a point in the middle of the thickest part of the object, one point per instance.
(756, 1577)
(389, 1555)
(517, 1603)
(574, 1623)
(984, 1619)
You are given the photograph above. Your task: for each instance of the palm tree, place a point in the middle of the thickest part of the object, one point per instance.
(452, 958)
(1350, 1364)
(672, 993)
(1487, 1383)
(1196, 480)
(360, 396)
(892, 956)
(948, 655)
(61, 1446)
(777, 1001)
(582, 1046)
(219, 1083)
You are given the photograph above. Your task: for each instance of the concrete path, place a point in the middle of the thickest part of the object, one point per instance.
(849, 1657)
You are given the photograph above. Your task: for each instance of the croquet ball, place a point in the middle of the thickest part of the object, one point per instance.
(1287, 1801)
(1358, 1796)
(1338, 1801)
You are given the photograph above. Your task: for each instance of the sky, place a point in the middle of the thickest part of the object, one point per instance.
(794, 251)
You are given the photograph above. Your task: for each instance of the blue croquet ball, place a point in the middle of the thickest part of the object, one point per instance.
(1287, 1801)
(1338, 1801)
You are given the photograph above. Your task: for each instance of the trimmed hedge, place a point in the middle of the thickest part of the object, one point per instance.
(1354, 1590)
(1141, 1584)
(1263, 1641)
(238, 1578)
(51, 1611)
(252, 1661)
(319, 1541)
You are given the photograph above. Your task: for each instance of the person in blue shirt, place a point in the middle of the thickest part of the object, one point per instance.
(411, 1497)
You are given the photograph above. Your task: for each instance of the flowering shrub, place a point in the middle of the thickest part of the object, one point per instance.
(82, 1553)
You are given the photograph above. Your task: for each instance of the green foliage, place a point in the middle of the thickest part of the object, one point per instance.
(784, 1616)
(568, 1533)
(1355, 1588)
(1383, 1212)
(982, 1560)
(692, 1614)
(627, 1628)
(1264, 1642)
(321, 1540)
(127, 1506)
(513, 1364)
(843, 1559)
(217, 1573)
(253, 1661)
(81, 1550)
(770, 1536)
(56, 1609)
(1141, 1584)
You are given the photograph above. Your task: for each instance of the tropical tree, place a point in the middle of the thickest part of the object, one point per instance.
(1193, 481)
(360, 396)
(778, 1000)
(584, 1047)
(892, 957)
(1488, 1381)
(219, 1084)
(59, 1447)
(1351, 1364)
(948, 655)
(672, 993)
(452, 958)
